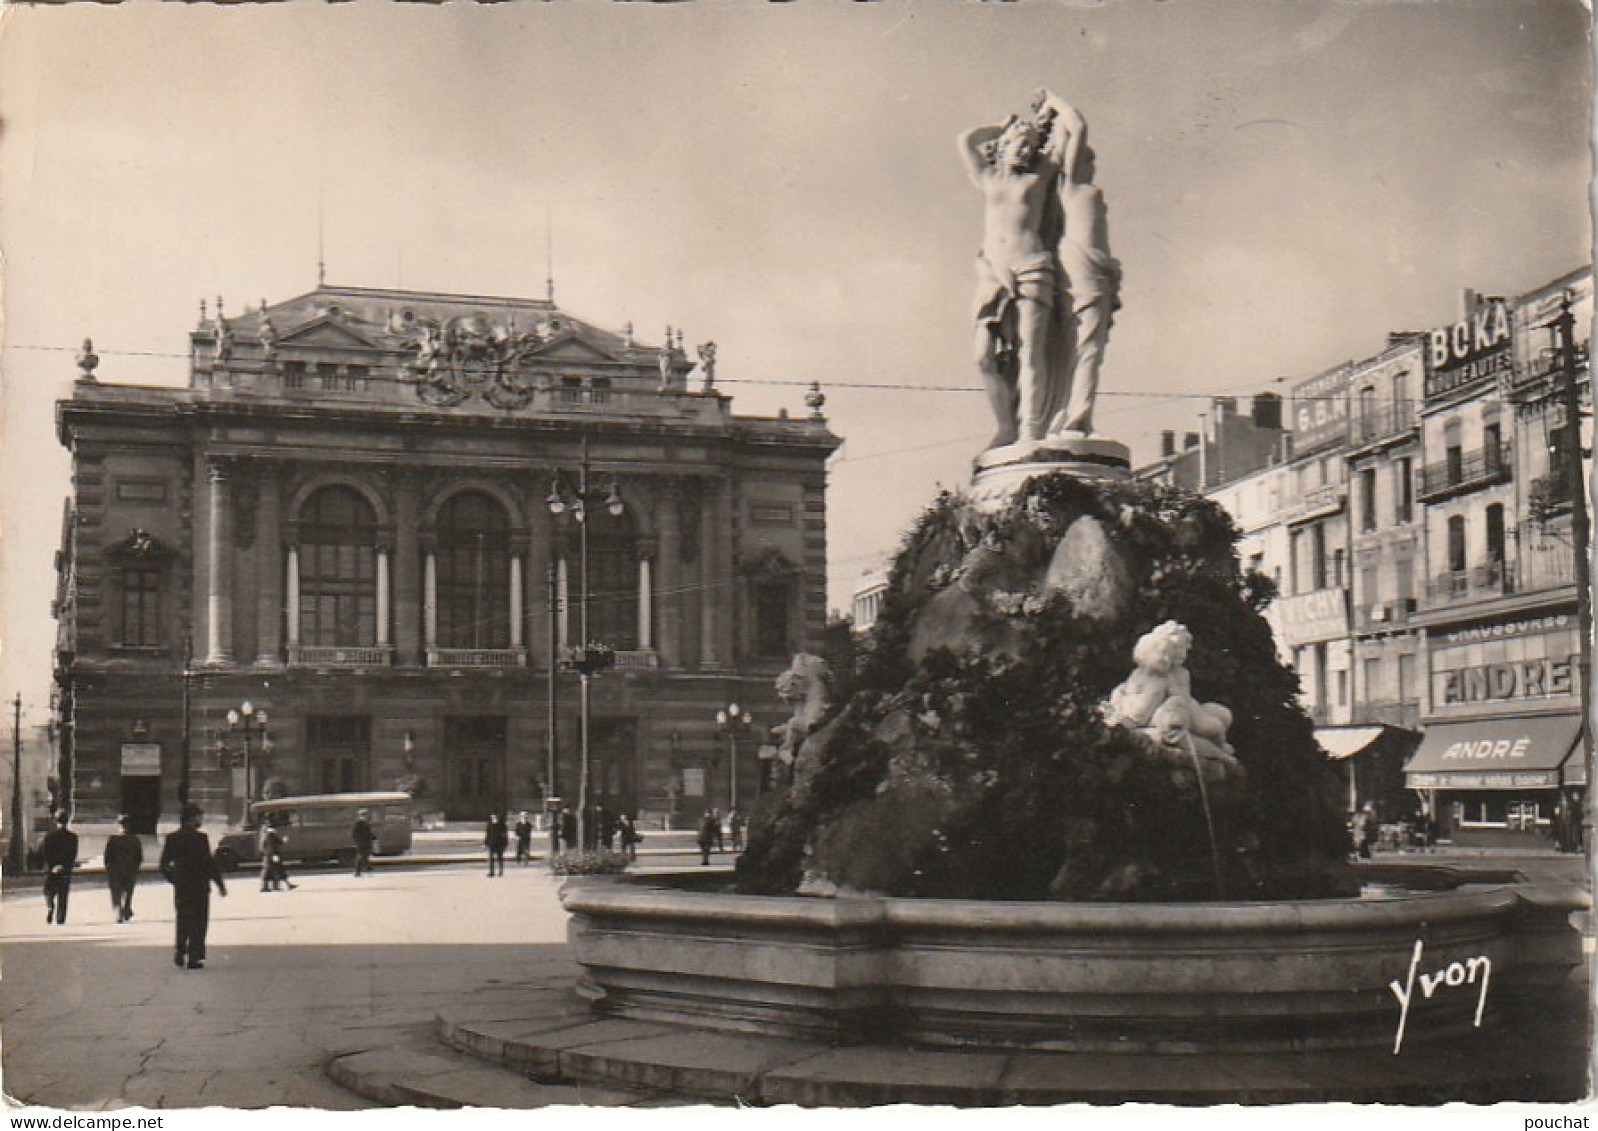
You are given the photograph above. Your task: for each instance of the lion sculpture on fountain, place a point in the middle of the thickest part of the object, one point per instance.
(805, 687)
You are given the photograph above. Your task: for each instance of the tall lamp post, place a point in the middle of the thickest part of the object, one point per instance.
(1570, 466)
(587, 657)
(246, 722)
(15, 850)
(730, 722)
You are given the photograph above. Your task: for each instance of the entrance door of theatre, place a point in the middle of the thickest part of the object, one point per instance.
(474, 748)
(141, 803)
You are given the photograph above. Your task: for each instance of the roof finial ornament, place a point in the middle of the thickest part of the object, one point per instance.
(87, 361)
(627, 336)
(205, 313)
(814, 400)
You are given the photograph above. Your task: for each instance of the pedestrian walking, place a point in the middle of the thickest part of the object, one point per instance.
(188, 865)
(720, 844)
(60, 853)
(627, 831)
(524, 839)
(554, 832)
(1365, 829)
(124, 855)
(568, 828)
(496, 837)
(364, 839)
(735, 829)
(709, 831)
(274, 872)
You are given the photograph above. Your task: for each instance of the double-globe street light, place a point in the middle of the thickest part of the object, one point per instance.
(587, 657)
(731, 721)
(246, 722)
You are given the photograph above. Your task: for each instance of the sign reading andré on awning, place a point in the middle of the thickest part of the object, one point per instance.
(1498, 749)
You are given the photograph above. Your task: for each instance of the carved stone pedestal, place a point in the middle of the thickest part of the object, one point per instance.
(999, 472)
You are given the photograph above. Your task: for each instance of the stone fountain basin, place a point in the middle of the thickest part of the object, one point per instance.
(1071, 976)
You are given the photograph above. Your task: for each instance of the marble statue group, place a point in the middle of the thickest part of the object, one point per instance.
(1047, 285)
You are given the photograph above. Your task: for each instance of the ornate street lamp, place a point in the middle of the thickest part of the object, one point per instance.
(730, 722)
(588, 657)
(246, 722)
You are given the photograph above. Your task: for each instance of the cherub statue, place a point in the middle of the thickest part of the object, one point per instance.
(1157, 698)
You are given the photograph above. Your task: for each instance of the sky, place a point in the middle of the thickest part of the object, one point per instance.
(1287, 182)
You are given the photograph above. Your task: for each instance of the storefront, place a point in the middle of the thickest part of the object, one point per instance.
(1370, 760)
(1503, 781)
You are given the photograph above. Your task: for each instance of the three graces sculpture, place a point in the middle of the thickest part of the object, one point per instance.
(1047, 284)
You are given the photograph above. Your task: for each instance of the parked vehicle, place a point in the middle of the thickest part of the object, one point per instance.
(317, 827)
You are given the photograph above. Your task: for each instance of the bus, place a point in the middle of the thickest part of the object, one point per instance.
(317, 827)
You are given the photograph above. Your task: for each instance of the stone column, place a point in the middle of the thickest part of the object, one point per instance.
(646, 603)
(269, 596)
(430, 601)
(407, 582)
(669, 574)
(291, 577)
(717, 589)
(516, 628)
(563, 604)
(382, 597)
(218, 595)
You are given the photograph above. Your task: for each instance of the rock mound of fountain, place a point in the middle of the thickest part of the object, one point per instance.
(991, 743)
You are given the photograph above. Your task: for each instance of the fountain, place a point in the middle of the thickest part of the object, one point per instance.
(990, 836)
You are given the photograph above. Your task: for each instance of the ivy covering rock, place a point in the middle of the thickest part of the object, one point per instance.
(968, 754)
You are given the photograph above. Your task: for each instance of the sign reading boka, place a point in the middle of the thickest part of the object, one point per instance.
(1470, 350)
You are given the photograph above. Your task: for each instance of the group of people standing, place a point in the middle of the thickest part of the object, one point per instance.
(607, 830)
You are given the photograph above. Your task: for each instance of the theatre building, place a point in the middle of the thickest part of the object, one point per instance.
(1501, 762)
(390, 522)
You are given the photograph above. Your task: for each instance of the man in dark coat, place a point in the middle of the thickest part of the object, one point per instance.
(496, 837)
(568, 828)
(365, 840)
(709, 833)
(60, 852)
(188, 865)
(124, 854)
(524, 839)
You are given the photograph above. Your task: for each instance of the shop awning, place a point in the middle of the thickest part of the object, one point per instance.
(1345, 742)
(1501, 753)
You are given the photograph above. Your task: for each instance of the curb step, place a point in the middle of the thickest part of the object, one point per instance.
(429, 1075)
(573, 1050)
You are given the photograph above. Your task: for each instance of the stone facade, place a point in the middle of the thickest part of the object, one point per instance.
(345, 519)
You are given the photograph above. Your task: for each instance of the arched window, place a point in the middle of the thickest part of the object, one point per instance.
(473, 557)
(338, 570)
(612, 579)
